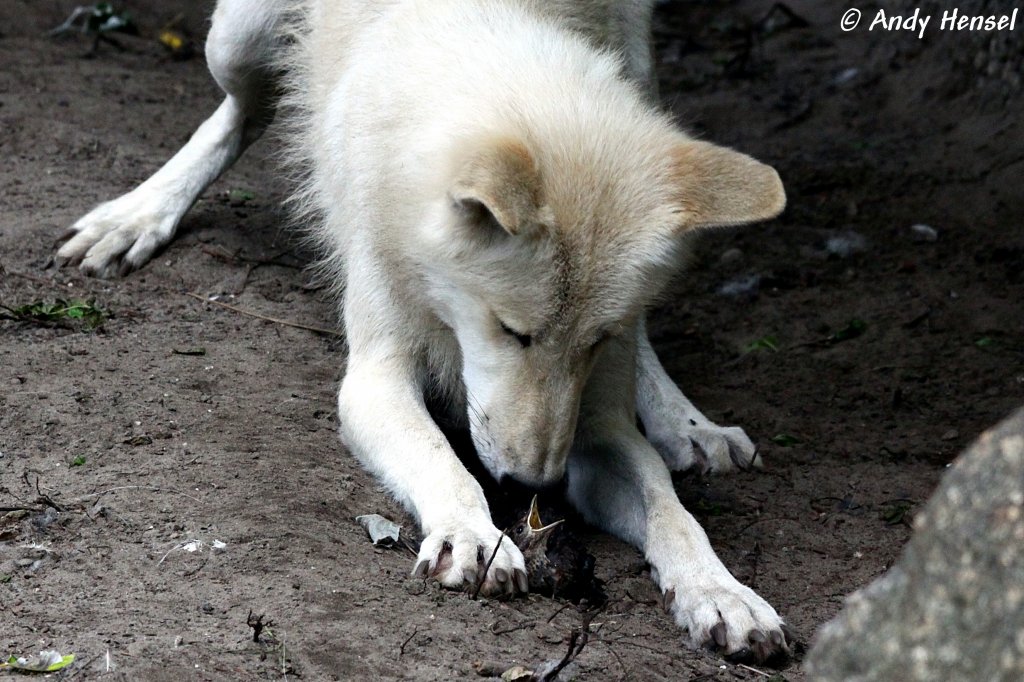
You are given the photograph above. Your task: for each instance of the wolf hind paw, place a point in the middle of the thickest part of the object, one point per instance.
(121, 235)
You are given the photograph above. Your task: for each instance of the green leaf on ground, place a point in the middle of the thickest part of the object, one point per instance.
(785, 440)
(240, 195)
(78, 461)
(60, 311)
(852, 330)
(45, 662)
(896, 512)
(764, 343)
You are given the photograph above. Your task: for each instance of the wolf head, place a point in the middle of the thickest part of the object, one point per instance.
(548, 244)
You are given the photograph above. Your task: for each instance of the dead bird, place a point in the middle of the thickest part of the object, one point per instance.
(557, 562)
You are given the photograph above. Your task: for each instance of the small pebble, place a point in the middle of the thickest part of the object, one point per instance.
(747, 285)
(488, 669)
(846, 75)
(43, 519)
(730, 256)
(846, 244)
(952, 434)
(924, 233)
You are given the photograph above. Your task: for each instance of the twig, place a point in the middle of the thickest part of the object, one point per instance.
(753, 670)
(42, 498)
(222, 254)
(284, 660)
(189, 574)
(753, 458)
(180, 545)
(622, 639)
(412, 550)
(401, 649)
(33, 278)
(83, 666)
(618, 659)
(257, 624)
(555, 614)
(760, 519)
(756, 552)
(483, 576)
(577, 640)
(4, 510)
(275, 320)
(504, 631)
(138, 487)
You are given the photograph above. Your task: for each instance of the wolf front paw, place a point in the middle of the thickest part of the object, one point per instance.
(705, 446)
(120, 235)
(729, 617)
(458, 556)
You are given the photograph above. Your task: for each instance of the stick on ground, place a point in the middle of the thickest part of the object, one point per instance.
(275, 320)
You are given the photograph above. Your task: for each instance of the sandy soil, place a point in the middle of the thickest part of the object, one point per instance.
(125, 444)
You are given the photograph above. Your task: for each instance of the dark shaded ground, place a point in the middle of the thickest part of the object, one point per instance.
(238, 444)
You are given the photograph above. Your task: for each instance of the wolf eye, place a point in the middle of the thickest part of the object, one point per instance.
(524, 339)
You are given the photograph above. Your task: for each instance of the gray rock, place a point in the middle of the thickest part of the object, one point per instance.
(952, 608)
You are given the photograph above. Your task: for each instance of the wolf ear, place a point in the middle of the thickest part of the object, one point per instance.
(500, 178)
(719, 187)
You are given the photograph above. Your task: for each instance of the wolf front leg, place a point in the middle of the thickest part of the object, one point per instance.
(683, 436)
(620, 483)
(385, 424)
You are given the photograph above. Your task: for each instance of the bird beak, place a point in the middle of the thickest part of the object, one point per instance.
(534, 522)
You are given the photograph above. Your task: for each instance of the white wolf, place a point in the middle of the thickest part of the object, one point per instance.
(500, 200)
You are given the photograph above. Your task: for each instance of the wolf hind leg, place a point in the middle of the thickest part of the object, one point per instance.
(121, 235)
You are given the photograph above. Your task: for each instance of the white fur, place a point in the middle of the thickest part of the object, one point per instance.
(683, 436)
(121, 235)
(499, 201)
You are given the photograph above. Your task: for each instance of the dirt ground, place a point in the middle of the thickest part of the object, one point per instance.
(859, 354)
